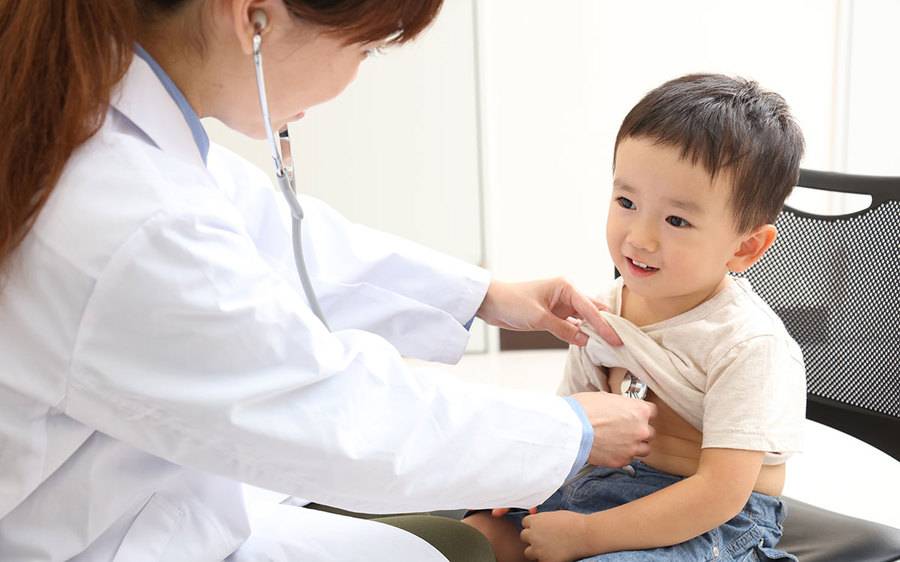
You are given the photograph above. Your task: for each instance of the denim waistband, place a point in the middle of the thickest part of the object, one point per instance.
(761, 507)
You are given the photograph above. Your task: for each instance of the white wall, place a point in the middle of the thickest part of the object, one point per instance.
(874, 92)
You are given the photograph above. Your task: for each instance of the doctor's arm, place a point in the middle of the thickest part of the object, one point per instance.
(401, 271)
(545, 305)
(419, 290)
(194, 349)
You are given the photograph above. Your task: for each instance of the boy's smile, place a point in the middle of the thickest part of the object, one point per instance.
(639, 268)
(671, 229)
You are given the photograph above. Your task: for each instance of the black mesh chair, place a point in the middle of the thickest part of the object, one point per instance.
(833, 281)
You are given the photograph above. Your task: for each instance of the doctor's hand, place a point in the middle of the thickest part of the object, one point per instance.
(622, 427)
(545, 305)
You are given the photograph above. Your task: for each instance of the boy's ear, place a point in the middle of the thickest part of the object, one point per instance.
(752, 247)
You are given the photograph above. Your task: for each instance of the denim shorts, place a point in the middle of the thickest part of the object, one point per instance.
(750, 536)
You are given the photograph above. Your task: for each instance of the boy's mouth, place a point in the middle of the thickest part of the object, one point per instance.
(640, 268)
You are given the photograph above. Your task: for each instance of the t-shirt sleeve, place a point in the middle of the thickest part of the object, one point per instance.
(756, 397)
(581, 375)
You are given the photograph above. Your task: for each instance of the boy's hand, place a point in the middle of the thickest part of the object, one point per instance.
(545, 305)
(556, 536)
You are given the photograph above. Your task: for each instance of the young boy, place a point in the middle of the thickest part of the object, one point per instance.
(702, 167)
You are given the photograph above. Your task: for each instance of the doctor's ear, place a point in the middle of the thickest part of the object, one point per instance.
(753, 246)
(250, 17)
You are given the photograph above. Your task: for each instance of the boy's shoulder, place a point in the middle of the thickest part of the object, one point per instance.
(734, 317)
(746, 312)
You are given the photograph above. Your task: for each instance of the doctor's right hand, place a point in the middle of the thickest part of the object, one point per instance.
(622, 427)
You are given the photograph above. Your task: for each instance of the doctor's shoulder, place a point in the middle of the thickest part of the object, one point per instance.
(112, 186)
(117, 167)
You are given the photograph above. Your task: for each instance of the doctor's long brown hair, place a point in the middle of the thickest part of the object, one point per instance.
(61, 59)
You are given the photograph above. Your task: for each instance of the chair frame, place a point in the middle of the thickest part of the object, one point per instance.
(876, 429)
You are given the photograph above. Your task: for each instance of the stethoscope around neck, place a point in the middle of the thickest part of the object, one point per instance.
(284, 168)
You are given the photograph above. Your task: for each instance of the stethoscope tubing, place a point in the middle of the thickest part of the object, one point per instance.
(285, 179)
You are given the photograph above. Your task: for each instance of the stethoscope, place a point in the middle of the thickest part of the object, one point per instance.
(633, 387)
(284, 166)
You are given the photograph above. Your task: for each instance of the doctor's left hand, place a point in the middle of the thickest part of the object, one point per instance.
(544, 305)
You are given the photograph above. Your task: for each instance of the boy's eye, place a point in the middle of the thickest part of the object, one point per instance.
(677, 221)
(625, 202)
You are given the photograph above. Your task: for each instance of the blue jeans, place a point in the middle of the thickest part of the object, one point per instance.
(750, 536)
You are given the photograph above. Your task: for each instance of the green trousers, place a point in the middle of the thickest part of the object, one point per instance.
(455, 540)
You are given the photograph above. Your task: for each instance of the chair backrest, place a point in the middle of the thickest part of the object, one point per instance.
(835, 282)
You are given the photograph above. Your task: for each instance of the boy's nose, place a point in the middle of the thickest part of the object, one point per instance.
(643, 239)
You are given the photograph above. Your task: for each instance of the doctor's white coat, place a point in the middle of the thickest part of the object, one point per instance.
(156, 350)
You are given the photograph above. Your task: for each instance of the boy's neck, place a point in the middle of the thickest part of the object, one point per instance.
(643, 312)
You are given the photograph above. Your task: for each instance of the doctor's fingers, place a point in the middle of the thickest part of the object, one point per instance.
(564, 329)
(567, 302)
(589, 310)
(642, 450)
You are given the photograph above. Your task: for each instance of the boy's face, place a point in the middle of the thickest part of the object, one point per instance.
(670, 231)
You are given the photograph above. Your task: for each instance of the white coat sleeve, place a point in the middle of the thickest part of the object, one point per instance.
(425, 297)
(415, 297)
(192, 349)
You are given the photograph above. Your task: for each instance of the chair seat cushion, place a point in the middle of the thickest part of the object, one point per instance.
(813, 534)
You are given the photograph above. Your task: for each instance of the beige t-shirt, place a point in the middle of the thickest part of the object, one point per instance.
(727, 366)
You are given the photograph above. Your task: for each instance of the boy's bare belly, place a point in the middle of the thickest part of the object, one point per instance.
(676, 447)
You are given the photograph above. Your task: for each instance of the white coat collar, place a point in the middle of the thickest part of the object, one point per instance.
(141, 97)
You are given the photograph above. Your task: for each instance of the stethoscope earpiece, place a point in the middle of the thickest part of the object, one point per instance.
(260, 20)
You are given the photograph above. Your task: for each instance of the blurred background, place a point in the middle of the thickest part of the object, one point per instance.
(491, 136)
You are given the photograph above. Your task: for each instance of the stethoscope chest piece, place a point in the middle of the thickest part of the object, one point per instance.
(633, 387)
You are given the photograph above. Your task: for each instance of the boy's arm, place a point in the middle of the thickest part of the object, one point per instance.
(716, 493)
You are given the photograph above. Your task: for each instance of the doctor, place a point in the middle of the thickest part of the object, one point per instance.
(156, 347)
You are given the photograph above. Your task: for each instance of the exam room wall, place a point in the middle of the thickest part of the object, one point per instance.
(491, 137)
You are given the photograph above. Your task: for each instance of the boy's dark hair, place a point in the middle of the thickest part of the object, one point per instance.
(729, 124)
